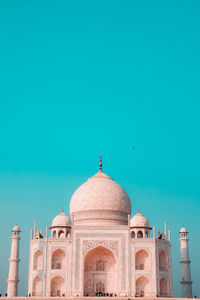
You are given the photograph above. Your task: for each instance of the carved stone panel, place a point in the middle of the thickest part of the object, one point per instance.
(88, 245)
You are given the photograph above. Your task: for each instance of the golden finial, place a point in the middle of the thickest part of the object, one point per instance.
(100, 163)
(62, 209)
(138, 210)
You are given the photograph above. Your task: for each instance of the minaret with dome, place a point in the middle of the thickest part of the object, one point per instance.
(14, 260)
(186, 282)
(99, 249)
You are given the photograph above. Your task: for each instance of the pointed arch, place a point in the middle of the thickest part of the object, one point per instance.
(132, 234)
(37, 260)
(100, 271)
(37, 287)
(57, 286)
(58, 260)
(163, 287)
(61, 234)
(140, 234)
(163, 262)
(142, 260)
(142, 286)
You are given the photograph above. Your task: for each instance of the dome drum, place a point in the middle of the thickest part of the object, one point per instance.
(100, 217)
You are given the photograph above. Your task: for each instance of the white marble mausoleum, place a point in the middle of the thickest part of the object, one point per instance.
(99, 249)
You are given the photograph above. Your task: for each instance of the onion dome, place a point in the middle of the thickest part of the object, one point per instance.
(61, 220)
(16, 228)
(100, 199)
(139, 220)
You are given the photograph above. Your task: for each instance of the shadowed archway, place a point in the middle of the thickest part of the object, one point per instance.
(100, 272)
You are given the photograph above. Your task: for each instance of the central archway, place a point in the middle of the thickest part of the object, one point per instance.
(100, 272)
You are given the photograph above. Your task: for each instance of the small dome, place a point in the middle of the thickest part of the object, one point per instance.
(16, 228)
(61, 220)
(139, 220)
(183, 230)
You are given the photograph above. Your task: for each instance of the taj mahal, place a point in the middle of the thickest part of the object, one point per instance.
(100, 250)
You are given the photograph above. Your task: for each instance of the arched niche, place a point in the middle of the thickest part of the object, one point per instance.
(37, 260)
(140, 234)
(58, 260)
(163, 265)
(100, 272)
(132, 234)
(163, 287)
(61, 234)
(37, 287)
(142, 260)
(142, 286)
(57, 286)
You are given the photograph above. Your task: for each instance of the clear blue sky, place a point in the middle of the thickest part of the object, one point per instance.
(80, 78)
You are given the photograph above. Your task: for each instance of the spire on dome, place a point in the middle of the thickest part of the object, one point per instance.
(100, 163)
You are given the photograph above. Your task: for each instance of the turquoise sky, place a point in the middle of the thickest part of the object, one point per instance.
(80, 78)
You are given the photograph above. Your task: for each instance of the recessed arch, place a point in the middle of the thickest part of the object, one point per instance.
(132, 234)
(61, 234)
(142, 260)
(100, 271)
(57, 286)
(37, 286)
(163, 266)
(140, 234)
(37, 260)
(163, 287)
(58, 260)
(142, 286)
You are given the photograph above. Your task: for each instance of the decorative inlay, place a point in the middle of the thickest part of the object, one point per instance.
(88, 245)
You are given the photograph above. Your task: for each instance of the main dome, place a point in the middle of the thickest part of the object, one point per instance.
(100, 198)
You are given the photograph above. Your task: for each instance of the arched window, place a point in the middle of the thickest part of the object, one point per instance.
(142, 261)
(163, 261)
(132, 234)
(57, 286)
(100, 265)
(37, 286)
(37, 260)
(147, 234)
(61, 234)
(54, 234)
(163, 287)
(140, 235)
(58, 259)
(142, 286)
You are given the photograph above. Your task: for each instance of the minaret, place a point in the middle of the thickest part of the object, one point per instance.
(14, 262)
(185, 265)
